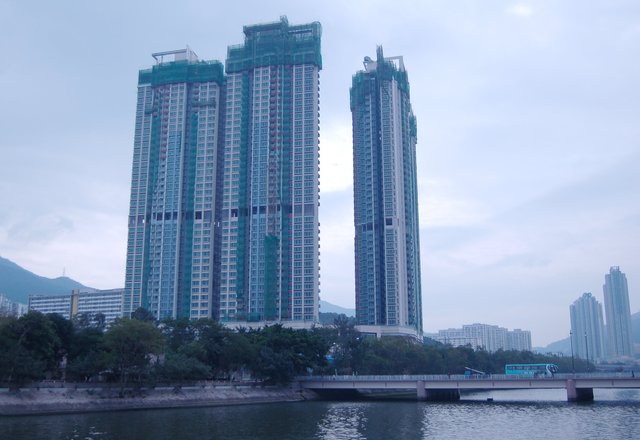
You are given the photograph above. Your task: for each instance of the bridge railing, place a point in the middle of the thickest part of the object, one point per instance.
(459, 377)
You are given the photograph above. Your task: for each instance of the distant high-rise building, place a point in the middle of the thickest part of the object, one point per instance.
(492, 337)
(587, 328)
(10, 308)
(387, 246)
(456, 337)
(270, 229)
(172, 241)
(519, 340)
(618, 313)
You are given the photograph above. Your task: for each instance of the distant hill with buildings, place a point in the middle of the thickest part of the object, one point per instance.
(564, 345)
(17, 283)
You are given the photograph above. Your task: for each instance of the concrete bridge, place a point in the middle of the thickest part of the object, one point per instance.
(447, 387)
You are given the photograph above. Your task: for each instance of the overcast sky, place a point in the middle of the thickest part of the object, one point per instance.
(528, 140)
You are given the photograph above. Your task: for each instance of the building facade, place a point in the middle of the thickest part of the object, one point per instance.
(485, 336)
(11, 308)
(270, 230)
(60, 304)
(173, 234)
(107, 303)
(519, 340)
(456, 337)
(387, 245)
(618, 314)
(492, 337)
(587, 328)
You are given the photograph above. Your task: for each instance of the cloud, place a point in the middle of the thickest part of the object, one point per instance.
(439, 207)
(535, 258)
(336, 158)
(337, 272)
(520, 10)
(36, 230)
(521, 111)
(87, 243)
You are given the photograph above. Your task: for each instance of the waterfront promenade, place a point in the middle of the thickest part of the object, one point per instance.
(447, 387)
(60, 397)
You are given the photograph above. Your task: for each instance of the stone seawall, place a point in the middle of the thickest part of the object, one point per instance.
(71, 398)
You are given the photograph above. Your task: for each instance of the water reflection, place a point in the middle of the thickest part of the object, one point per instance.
(542, 419)
(345, 420)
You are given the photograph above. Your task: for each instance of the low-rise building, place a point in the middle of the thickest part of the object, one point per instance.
(106, 302)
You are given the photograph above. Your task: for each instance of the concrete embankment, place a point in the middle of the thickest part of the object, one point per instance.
(69, 398)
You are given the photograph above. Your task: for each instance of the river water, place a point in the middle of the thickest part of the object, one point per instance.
(537, 414)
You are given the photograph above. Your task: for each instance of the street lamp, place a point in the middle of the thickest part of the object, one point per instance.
(573, 365)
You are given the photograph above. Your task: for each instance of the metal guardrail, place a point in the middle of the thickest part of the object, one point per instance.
(460, 377)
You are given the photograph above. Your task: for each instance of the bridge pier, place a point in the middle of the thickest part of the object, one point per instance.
(578, 394)
(421, 392)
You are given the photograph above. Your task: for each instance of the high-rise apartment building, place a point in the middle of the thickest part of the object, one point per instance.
(270, 229)
(618, 313)
(171, 249)
(587, 328)
(387, 246)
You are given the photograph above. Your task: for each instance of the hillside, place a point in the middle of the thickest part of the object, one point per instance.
(326, 307)
(561, 346)
(18, 283)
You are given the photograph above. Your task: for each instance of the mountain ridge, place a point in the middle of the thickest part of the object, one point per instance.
(17, 283)
(327, 307)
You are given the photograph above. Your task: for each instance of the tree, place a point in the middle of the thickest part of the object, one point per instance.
(142, 314)
(178, 333)
(237, 353)
(28, 348)
(209, 346)
(283, 352)
(88, 356)
(64, 330)
(130, 343)
(346, 346)
(180, 367)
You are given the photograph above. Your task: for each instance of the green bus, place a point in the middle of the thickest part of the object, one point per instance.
(531, 370)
